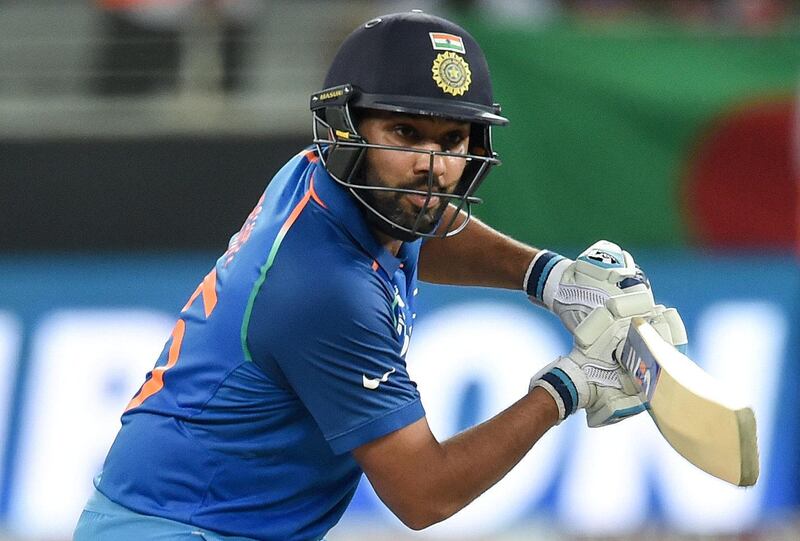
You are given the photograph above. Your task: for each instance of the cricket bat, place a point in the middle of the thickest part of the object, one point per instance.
(697, 415)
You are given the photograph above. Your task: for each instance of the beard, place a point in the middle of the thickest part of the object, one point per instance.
(396, 207)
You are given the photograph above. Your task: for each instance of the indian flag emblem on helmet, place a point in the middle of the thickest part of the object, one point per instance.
(451, 73)
(446, 42)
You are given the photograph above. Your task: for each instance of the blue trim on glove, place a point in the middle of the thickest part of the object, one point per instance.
(545, 262)
(627, 412)
(630, 282)
(565, 388)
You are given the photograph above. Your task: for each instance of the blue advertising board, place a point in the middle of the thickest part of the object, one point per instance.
(77, 335)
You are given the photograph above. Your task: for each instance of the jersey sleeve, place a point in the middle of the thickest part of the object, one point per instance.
(334, 341)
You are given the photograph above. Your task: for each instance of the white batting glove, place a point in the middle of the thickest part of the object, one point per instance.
(572, 289)
(589, 377)
(668, 323)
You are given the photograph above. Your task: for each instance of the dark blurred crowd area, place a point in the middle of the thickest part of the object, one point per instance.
(143, 41)
(142, 45)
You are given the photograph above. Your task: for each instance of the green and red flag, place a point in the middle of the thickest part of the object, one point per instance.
(650, 136)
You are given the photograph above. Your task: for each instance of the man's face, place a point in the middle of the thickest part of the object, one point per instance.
(411, 170)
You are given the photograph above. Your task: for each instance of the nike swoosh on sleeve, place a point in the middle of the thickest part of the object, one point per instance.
(372, 384)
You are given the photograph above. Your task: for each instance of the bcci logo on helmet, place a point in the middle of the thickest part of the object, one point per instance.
(451, 73)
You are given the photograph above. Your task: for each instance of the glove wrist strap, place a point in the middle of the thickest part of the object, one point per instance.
(543, 275)
(560, 386)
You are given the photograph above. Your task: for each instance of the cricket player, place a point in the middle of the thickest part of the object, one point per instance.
(285, 377)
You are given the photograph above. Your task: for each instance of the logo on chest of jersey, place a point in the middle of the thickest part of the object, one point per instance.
(400, 319)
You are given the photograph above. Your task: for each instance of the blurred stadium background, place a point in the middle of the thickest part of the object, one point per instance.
(135, 136)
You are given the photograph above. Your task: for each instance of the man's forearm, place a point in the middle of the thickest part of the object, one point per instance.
(493, 448)
(424, 482)
(478, 256)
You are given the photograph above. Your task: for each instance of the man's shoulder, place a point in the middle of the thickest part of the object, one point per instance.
(320, 292)
(327, 265)
(318, 245)
(315, 256)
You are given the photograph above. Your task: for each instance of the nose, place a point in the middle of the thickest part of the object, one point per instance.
(426, 163)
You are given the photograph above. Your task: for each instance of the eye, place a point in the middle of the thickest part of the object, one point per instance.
(407, 132)
(453, 140)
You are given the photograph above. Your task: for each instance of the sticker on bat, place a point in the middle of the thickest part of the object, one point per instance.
(640, 363)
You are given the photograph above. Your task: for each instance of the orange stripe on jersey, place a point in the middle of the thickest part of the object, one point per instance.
(311, 156)
(375, 265)
(209, 286)
(314, 195)
(156, 381)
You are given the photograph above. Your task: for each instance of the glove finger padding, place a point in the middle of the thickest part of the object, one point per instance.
(669, 325)
(618, 308)
(676, 328)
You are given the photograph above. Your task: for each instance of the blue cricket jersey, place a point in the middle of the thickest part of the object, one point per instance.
(288, 355)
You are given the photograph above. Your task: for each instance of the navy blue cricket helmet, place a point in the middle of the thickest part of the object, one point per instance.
(412, 63)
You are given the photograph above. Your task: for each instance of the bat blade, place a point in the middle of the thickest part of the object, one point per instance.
(697, 415)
